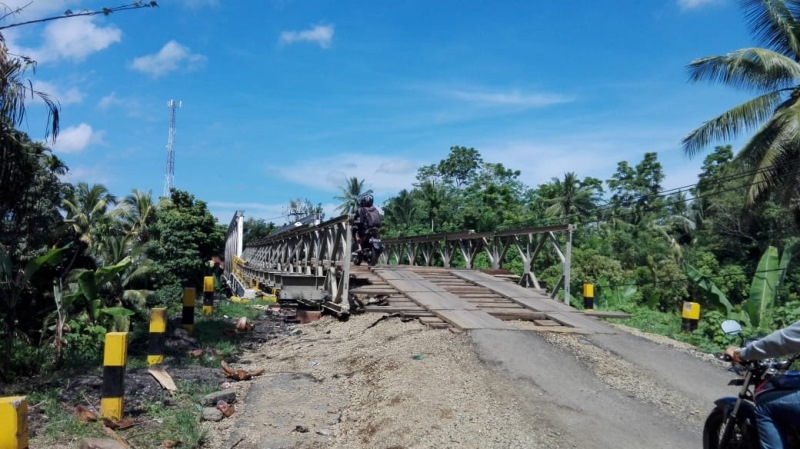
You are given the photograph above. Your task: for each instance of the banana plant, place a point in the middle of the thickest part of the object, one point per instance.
(88, 286)
(618, 294)
(14, 281)
(767, 279)
(713, 293)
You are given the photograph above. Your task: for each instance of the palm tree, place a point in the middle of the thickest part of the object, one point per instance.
(433, 197)
(86, 209)
(351, 192)
(401, 210)
(136, 213)
(571, 198)
(772, 155)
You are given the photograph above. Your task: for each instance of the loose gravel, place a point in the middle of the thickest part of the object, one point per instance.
(388, 383)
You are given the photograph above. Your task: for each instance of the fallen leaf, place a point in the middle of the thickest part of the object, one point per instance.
(84, 414)
(169, 444)
(122, 424)
(196, 353)
(217, 354)
(239, 374)
(228, 411)
(115, 435)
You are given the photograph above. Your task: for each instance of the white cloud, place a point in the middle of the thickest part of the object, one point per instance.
(171, 57)
(76, 138)
(693, 4)
(73, 39)
(72, 95)
(90, 175)
(29, 10)
(385, 175)
(320, 34)
(512, 98)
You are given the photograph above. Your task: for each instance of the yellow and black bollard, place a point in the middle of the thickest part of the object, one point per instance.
(208, 295)
(14, 422)
(158, 330)
(115, 354)
(189, 297)
(690, 316)
(588, 297)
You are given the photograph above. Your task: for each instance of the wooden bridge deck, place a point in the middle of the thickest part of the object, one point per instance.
(466, 300)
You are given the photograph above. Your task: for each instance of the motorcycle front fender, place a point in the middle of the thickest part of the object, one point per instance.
(746, 409)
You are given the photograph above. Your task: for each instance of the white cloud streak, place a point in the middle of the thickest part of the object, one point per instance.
(321, 35)
(172, 56)
(72, 95)
(694, 4)
(74, 39)
(513, 98)
(77, 138)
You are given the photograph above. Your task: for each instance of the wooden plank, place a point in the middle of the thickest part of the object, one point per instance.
(407, 286)
(440, 301)
(607, 314)
(544, 322)
(391, 309)
(387, 274)
(473, 319)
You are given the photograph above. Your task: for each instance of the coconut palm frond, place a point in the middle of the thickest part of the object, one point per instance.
(746, 116)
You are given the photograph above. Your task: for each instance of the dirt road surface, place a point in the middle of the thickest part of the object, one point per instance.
(393, 384)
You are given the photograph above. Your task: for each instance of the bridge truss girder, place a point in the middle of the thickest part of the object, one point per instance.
(309, 264)
(529, 242)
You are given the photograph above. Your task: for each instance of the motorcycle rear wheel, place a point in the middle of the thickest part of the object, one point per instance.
(714, 427)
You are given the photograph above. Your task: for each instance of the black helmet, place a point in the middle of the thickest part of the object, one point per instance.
(366, 200)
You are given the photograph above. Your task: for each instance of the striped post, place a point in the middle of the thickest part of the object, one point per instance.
(14, 422)
(189, 297)
(158, 329)
(588, 297)
(208, 295)
(115, 354)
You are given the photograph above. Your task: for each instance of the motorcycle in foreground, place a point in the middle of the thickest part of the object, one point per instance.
(732, 423)
(371, 250)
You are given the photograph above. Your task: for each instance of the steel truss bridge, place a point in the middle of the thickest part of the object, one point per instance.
(310, 263)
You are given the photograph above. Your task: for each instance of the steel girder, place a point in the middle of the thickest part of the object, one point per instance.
(528, 241)
(310, 263)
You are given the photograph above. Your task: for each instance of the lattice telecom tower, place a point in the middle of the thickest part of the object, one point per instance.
(169, 178)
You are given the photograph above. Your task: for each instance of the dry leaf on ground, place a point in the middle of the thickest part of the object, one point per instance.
(84, 414)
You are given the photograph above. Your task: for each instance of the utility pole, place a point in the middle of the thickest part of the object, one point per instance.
(169, 177)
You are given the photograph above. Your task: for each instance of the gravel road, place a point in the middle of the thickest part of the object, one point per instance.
(392, 384)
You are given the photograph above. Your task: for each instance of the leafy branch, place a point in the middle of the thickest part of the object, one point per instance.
(86, 12)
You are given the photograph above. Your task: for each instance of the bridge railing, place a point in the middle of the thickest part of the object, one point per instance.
(529, 242)
(310, 262)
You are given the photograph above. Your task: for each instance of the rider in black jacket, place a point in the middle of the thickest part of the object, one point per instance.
(778, 407)
(367, 217)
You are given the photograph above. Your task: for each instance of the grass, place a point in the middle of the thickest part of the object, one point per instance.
(180, 420)
(178, 423)
(61, 420)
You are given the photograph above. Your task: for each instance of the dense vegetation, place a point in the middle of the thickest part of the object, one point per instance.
(76, 261)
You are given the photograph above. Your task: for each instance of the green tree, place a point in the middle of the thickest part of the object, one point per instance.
(635, 191)
(256, 229)
(351, 192)
(136, 213)
(460, 166)
(571, 198)
(772, 155)
(87, 208)
(184, 238)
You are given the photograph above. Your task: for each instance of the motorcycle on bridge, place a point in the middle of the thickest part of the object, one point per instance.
(732, 423)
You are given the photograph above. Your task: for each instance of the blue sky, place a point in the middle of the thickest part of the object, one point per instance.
(287, 98)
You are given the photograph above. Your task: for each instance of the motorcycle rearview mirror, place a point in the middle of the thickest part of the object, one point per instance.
(731, 327)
